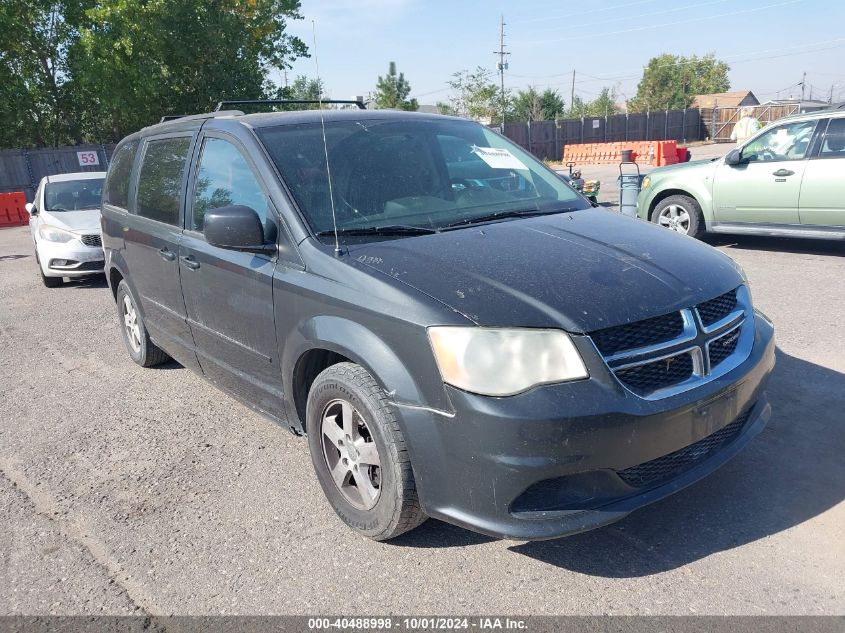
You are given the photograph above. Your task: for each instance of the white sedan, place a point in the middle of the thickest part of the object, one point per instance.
(65, 226)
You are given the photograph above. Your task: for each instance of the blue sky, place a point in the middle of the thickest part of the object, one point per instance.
(768, 43)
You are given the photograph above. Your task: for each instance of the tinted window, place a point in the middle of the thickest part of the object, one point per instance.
(160, 179)
(834, 140)
(73, 195)
(120, 170)
(225, 178)
(415, 172)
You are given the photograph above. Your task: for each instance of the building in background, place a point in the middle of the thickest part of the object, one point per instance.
(725, 100)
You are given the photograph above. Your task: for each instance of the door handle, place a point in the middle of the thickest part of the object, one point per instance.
(167, 254)
(780, 173)
(190, 262)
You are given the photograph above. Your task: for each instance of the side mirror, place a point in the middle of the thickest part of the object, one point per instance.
(236, 228)
(30, 208)
(733, 157)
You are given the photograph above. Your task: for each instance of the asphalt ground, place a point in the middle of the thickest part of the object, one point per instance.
(147, 491)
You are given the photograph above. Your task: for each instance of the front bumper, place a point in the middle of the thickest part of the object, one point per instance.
(82, 260)
(557, 460)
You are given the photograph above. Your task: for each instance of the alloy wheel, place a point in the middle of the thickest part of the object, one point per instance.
(675, 217)
(130, 322)
(351, 454)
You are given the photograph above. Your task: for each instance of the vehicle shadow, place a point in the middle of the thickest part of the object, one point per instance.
(777, 244)
(790, 473)
(89, 281)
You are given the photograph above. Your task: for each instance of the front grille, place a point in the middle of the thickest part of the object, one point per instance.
(723, 347)
(92, 240)
(647, 378)
(95, 265)
(717, 309)
(653, 473)
(613, 340)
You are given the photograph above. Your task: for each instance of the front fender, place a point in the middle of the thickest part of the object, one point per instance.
(699, 187)
(361, 345)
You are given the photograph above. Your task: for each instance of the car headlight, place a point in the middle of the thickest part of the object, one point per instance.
(646, 182)
(504, 362)
(55, 234)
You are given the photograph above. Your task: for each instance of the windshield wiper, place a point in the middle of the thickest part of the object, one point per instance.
(498, 215)
(393, 229)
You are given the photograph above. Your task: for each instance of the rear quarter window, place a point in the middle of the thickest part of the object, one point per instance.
(160, 179)
(116, 191)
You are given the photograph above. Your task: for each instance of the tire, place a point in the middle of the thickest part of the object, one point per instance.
(681, 214)
(140, 347)
(50, 282)
(386, 505)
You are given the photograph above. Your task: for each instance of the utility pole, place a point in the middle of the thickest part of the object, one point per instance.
(803, 81)
(830, 98)
(572, 94)
(502, 66)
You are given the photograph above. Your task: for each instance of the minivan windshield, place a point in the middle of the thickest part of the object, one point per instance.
(73, 195)
(412, 176)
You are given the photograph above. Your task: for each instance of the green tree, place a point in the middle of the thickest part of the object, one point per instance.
(531, 105)
(37, 101)
(671, 81)
(477, 97)
(303, 88)
(603, 105)
(393, 89)
(445, 108)
(145, 58)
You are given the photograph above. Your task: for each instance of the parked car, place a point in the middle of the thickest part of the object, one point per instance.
(464, 339)
(65, 225)
(785, 181)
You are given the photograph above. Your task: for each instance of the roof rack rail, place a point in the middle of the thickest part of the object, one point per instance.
(220, 105)
(191, 117)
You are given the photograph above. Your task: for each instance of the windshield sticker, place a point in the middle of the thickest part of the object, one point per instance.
(498, 158)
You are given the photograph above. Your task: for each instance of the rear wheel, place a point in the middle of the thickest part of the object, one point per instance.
(359, 454)
(681, 214)
(138, 343)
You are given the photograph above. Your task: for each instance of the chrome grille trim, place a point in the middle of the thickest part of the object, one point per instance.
(695, 340)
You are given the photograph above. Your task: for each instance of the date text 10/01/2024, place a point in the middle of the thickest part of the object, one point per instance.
(419, 623)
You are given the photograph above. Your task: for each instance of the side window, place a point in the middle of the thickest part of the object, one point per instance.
(784, 142)
(116, 191)
(833, 145)
(160, 179)
(225, 178)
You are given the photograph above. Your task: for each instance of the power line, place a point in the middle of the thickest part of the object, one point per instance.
(628, 17)
(664, 24)
(555, 16)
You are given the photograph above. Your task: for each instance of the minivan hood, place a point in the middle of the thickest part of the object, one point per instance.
(86, 221)
(579, 271)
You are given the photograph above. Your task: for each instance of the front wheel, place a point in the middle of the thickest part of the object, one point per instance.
(359, 454)
(681, 214)
(49, 282)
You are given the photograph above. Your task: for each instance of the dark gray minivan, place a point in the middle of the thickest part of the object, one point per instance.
(458, 333)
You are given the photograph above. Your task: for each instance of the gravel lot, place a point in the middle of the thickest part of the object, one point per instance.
(127, 490)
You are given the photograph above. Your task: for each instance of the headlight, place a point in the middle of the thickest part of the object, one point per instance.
(55, 234)
(646, 182)
(504, 362)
